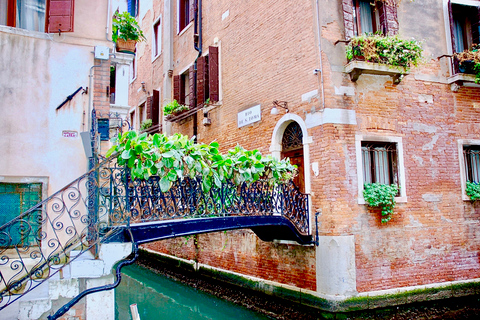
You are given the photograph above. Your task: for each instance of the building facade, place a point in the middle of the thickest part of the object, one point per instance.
(232, 62)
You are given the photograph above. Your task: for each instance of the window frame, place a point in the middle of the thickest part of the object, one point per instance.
(157, 38)
(400, 163)
(374, 16)
(183, 20)
(462, 143)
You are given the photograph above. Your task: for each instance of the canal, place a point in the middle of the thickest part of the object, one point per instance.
(158, 297)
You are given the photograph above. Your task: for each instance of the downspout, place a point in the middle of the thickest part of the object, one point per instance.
(198, 46)
(322, 87)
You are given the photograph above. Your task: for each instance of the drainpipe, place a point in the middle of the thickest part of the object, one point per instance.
(320, 57)
(198, 46)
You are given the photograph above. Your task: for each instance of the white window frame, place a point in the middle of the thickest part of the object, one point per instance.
(180, 32)
(461, 162)
(154, 39)
(400, 163)
(133, 69)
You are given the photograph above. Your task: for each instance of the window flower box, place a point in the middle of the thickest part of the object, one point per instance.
(382, 55)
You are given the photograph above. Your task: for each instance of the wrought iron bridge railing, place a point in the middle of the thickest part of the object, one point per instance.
(93, 208)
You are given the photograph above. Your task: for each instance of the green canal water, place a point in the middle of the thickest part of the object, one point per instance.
(158, 297)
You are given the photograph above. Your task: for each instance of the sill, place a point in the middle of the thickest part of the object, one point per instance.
(462, 80)
(185, 29)
(402, 199)
(356, 68)
(153, 129)
(156, 57)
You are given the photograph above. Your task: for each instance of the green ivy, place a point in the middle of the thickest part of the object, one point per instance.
(175, 157)
(381, 196)
(473, 190)
(174, 107)
(390, 50)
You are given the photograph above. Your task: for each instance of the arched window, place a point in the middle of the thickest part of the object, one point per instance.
(292, 147)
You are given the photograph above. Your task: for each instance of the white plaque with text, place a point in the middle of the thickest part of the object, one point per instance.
(249, 116)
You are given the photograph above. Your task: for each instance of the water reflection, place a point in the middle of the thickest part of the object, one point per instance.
(158, 297)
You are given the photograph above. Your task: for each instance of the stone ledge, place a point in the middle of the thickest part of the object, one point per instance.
(356, 68)
(462, 79)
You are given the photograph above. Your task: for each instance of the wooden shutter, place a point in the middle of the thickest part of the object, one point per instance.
(390, 9)
(191, 10)
(452, 26)
(213, 83)
(60, 15)
(191, 85)
(132, 7)
(348, 18)
(475, 25)
(382, 15)
(201, 67)
(155, 107)
(149, 107)
(176, 88)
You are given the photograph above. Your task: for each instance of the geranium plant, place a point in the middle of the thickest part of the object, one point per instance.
(381, 196)
(390, 50)
(175, 157)
(469, 61)
(472, 189)
(173, 108)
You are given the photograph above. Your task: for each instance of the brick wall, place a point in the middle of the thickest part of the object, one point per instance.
(268, 52)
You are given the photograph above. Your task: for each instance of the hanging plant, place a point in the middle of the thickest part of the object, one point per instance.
(472, 189)
(390, 50)
(175, 157)
(381, 196)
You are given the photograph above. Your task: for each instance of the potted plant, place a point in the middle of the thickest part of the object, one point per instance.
(381, 196)
(472, 190)
(147, 123)
(126, 32)
(469, 61)
(174, 108)
(389, 50)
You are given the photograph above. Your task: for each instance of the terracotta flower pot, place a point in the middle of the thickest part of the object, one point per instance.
(126, 46)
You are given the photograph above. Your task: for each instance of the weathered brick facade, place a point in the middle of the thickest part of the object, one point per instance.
(268, 51)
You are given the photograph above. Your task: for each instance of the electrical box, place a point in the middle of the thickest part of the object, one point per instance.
(102, 53)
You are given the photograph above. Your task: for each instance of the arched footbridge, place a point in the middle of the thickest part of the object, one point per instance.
(106, 205)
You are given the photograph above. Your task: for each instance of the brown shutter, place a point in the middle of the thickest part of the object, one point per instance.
(390, 9)
(201, 80)
(382, 15)
(213, 74)
(475, 25)
(191, 10)
(155, 107)
(60, 16)
(191, 85)
(348, 20)
(176, 88)
(149, 107)
(452, 28)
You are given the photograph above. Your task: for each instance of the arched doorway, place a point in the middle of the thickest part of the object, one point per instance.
(292, 147)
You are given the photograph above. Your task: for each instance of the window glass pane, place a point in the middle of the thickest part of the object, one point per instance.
(366, 17)
(31, 15)
(3, 12)
(381, 166)
(472, 163)
(458, 29)
(366, 162)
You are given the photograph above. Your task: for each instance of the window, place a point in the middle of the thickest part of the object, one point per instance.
(464, 24)
(157, 39)
(471, 160)
(132, 7)
(32, 15)
(16, 198)
(185, 13)
(369, 16)
(133, 69)
(380, 160)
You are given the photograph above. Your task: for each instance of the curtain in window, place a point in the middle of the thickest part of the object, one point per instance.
(458, 30)
(31, 15)
(366, 17)
(382, 169)
(377, 164)
(472, 165)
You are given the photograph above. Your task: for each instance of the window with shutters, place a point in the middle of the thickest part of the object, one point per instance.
(16, 198)
(367, 16)
(464, 24)
(185, 13)
(156, 39)
(132, 7)
(380, 160)
(38, 15)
